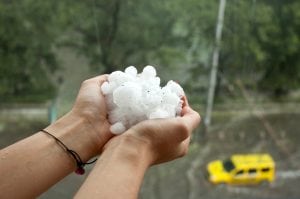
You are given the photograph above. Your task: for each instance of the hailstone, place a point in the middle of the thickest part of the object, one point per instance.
(132, 97)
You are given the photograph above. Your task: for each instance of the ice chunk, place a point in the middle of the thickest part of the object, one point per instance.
(128, 94)
(131, 70)
(171, 98)
(119, 77)
(131, 98)
(170, 109)
(148, 72)
(117, 128)
(105, 88)
(115, 115)
(174, 87)
(159, 113)
(109, 102)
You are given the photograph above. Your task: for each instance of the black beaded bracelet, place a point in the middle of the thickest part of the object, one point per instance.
(80, 164)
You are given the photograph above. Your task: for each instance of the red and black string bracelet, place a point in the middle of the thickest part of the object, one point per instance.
(79, 163)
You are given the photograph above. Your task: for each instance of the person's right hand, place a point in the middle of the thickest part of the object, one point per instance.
(126, 157)
(164, 139)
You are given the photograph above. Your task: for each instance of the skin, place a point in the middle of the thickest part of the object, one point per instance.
(127, 157)
(34, 164)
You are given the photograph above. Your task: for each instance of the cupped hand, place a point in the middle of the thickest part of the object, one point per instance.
(90, 105)
(164, 139)
(168, 138)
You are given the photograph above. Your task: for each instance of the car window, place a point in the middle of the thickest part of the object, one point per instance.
(252, 171)
(228, 165)
(265, 170)
(240, 172)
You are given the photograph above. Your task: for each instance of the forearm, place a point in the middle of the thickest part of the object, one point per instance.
(31, 166)
(119, 171)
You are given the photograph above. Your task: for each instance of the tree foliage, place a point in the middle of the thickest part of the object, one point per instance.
(260, 42)
(262, 38)
(279, 37)
(27, 53)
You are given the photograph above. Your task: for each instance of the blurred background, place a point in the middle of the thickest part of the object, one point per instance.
(238, 61)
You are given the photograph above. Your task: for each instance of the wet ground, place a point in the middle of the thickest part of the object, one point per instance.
(239, 134)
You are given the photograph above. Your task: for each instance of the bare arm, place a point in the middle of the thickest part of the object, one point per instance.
(121, 168)
(119, 172)
(31, 166)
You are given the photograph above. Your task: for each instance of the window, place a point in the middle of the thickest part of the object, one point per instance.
(228, 165)
(252, 171)
(265, 170)
(240, 172)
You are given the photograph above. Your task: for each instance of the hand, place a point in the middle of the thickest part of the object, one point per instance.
(90, 108)
(165, 139)
(126, 157)
(84, 130)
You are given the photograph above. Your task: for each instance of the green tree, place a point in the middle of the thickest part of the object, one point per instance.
(27, 50)
(279, 37)
(173, 35)
(119, 33)
(261, 44)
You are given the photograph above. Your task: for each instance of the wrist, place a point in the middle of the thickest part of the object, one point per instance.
(77, 134)
(121, 166)
(131, 148)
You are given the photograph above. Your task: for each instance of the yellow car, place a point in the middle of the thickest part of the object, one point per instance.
(242, 169)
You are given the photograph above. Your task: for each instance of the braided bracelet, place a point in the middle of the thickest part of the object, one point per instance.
(79, 163)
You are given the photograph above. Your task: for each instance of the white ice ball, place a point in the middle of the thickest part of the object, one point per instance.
(127, 94)
(149, 71)
(119, 77)
(105, 88)
(117, 128)
(175, 87)
(171, 98)
(131, 70)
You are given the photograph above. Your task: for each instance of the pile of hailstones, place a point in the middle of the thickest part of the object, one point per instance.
(132, 98)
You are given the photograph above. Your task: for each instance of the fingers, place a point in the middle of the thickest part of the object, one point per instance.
(94, 83)
(191, 118)
(185, 101)
(98, 79)
(101, 78)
